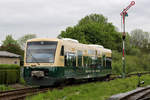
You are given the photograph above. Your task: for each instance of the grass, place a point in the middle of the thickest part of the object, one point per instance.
(93, 91)
(22, 81)
(5, 88)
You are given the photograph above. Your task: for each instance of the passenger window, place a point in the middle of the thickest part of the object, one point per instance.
(99, 61)
(79, 57)
(104, 61)
(70, 59)
(62, 51)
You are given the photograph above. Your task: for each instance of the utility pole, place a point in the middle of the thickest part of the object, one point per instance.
(123, 15)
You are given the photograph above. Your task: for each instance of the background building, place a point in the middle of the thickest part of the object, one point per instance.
(9, 58)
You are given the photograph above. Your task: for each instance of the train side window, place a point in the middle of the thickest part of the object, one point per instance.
(62, 51)
(108, 63)
(79, 53)
(70, 59)
(104, 61)
(99, 61)
(85, 58)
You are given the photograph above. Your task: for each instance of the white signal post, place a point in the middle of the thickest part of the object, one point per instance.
(123, 15)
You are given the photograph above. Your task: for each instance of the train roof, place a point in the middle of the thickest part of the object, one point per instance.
(43, 39)
(95, 45)
(107, 50)
(75, 42)
(70, 40)
(54, 39)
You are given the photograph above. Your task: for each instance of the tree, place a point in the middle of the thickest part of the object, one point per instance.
(139, 38)
(13, 49)
(11, 45)
(94, 29)
(22, 40)
(9, 40)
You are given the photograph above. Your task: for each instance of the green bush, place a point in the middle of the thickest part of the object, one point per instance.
(135, 62)
(134, 51)
(9, 74)
(4, 88)
(22, 81)
(116, 56)
(9, 66)
(117, 68)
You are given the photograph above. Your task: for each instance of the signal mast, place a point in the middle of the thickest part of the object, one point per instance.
(123, 15)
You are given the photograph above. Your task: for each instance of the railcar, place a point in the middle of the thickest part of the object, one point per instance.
(49, 61)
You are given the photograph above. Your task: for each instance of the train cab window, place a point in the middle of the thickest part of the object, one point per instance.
(62, 51)
(41, 51)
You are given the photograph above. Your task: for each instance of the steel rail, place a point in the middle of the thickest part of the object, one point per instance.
(20, 93)
(142, 93)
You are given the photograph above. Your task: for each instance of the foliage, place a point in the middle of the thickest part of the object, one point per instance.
(9, 73)
(93, 91)
(134, 51)
(94, 29)
(5, 66)
(5, 88)
(22, 81)
(11, 45)
(139, 38)
(22, 40)
(135, 62)
(9, 40)
(13, 49)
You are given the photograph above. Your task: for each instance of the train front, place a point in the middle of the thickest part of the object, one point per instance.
(40, 62)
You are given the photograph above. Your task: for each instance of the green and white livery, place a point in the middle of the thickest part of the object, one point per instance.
(49, 61)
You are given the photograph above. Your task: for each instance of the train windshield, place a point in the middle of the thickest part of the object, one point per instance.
(41, 52)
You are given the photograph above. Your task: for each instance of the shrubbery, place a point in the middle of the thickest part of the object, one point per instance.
(9, 74)
(135, 62)
(134, 51)
(5, 88)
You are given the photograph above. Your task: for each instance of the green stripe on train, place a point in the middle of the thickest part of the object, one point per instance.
(69, 72)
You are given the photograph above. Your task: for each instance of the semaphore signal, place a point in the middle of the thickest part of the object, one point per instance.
(123, 15)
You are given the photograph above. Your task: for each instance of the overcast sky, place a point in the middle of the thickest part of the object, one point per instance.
(47, 18)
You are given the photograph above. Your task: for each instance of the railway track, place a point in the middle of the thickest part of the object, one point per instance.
(137, 94)
(23, 93)
(20, 94)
